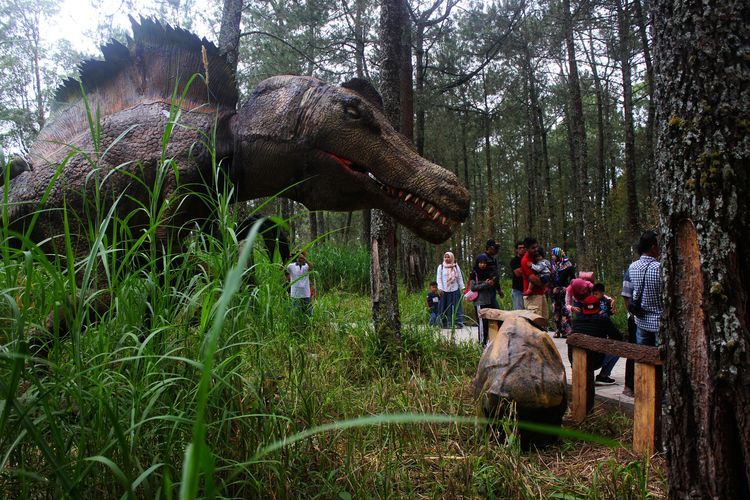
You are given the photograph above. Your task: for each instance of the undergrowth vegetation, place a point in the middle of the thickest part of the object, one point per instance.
(134, 370)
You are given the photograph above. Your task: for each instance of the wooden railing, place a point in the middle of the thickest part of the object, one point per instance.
(648, 379)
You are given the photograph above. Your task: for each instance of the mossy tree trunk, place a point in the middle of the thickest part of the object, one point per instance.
(702, 73)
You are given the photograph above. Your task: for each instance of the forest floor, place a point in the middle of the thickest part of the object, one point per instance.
(297, 407)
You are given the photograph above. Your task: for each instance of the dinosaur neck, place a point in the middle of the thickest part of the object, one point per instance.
(266, 159)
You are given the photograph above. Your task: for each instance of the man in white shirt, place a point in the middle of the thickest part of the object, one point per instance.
(298, 275)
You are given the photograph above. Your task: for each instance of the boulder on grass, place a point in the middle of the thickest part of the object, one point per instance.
(521, 365)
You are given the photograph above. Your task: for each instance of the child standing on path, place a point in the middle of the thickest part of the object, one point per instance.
(433, 300)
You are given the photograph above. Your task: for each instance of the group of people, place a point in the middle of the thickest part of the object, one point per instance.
(579, 304)
(446, 294)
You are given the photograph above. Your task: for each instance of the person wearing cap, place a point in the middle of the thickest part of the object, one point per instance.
(591, 322)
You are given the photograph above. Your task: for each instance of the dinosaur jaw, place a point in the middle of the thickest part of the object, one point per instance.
(419, 209)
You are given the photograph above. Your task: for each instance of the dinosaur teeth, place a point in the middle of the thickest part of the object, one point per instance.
(443, 220)
(408, 196)
(435, 217)
(430, 209)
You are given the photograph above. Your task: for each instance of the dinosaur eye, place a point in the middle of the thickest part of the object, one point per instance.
(352, 111)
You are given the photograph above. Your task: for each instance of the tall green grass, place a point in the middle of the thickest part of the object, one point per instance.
(201, 379)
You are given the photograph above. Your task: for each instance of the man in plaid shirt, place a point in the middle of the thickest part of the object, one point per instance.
(645, 277)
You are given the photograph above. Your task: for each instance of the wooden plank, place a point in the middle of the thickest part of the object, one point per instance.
(582, 385)
(638, 353)
(647, 412)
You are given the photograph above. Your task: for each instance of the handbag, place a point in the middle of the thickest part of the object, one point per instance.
(635, 308)
(470, 294)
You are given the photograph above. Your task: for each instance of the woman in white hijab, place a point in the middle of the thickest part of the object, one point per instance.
(450, 285)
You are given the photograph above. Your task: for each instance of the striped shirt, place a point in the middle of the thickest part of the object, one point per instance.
(649, 289)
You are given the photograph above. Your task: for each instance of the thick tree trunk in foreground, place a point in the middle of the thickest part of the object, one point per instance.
(385, 313)
(702, 68)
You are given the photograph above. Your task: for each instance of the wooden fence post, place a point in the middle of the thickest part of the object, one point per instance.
(582, 384)
(647, 411)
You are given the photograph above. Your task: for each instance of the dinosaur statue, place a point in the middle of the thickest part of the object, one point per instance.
(521, 365)
(327, 146)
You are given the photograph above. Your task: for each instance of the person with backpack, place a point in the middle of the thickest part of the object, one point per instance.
(646, 302)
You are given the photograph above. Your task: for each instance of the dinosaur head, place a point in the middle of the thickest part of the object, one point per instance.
(335, 146)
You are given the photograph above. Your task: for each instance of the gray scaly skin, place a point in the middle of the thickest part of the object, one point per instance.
(332, 141)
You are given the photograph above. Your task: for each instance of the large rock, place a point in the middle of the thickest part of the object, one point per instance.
(521, 365)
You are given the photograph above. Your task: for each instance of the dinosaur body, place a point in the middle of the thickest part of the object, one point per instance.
(331, 143)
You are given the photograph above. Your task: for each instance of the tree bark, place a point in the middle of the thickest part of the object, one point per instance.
(702, 93)
(229, 33)
(385, 312)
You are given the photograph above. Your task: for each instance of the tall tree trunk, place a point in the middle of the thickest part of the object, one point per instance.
(38, 91)
(322, 229)
(359, 41)
(544, 188)
(313, 225)
(420, 74)
(623, 22)
(578, 130)
(229, 33)
(385, 312)
(359, 38)
(487, 121)
(601, 134)
(703, 159)
(412, 248)
(651, 111)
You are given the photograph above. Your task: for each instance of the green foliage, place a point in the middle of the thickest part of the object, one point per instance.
(341, 267)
